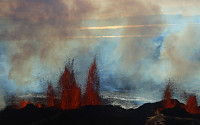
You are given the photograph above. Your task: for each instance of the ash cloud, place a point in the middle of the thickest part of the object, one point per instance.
(147, 62)
(151, 61)
(127, 8)
(181, 51)
(38, 35)
(39, 30)
(137, 54)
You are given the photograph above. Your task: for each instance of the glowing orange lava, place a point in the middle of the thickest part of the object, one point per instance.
(64, 83)
(50, 96)
(167, 102)
(192, 105)
(23, 103)
(71, 93)
(91, 96)
(38, 105)
(75, 95)
(70, 96)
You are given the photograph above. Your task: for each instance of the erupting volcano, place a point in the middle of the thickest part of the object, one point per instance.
(68, 97)
(75, 111)
(167, 102)
(70, 92)
(50, 96)
(192, 105)
(23, 103)
(91, 96)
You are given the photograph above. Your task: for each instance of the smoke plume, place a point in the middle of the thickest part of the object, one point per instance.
(40, 35)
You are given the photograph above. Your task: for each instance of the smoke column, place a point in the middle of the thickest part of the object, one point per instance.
(137, 44)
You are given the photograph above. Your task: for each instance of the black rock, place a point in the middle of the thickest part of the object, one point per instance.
(98, 115)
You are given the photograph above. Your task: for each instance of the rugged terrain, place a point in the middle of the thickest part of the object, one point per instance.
(147, 114)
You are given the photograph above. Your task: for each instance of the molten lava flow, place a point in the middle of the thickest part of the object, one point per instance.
(192, 105)
(50, 96)
(91, 96)
(23, 103)
(71, 93)
(167, 102)
(38, 105)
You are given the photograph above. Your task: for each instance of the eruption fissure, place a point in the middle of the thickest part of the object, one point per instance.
(50, 96)
(91, 96)
(168, 102)
(70, 92)
(191, 106)
(23, 104)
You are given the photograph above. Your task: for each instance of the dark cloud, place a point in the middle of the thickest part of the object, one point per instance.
(38, 28)
(39, 36)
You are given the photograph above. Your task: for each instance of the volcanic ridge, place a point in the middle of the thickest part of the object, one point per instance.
(68, 105)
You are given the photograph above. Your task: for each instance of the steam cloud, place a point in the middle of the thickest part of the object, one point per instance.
(39, 30)
(39, 35)
(36, 34)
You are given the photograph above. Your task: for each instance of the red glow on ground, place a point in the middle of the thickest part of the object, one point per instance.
(23, 103)
(192, 105)
(50, 96)
(38, 105)
(91, 96)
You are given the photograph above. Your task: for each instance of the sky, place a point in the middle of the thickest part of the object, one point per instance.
(139, 44)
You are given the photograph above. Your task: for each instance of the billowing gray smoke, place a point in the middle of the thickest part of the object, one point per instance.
(39, 36)
(36, 35)
(38, 31)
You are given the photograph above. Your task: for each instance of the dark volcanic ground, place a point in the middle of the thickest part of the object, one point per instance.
(99, 115)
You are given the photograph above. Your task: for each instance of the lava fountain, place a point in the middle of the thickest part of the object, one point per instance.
(168, 102)
(192, 105)
(70, 92)
(23, 103)
(50, 96)
(91, 96)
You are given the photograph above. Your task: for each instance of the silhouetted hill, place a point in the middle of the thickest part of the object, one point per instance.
(98, 115)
